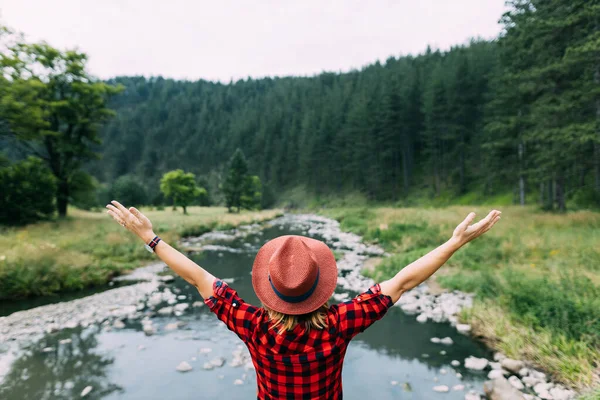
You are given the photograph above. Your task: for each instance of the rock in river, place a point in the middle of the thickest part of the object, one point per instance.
(86, 391)
(476, 363)
(501, 389)
(511, 365)
(441, 389)
(184, 367)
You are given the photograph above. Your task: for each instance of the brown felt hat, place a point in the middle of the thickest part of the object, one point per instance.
(294, 274)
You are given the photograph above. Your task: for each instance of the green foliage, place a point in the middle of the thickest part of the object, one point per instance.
(240, 189)
(181, 188)
(27, 191)
(129, 190)
(54, 107)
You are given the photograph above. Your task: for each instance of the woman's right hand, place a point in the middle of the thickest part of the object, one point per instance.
(132, 219)
(464, 232)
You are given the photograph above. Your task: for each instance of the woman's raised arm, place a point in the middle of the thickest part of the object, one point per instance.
(418, 271)
(139, 224)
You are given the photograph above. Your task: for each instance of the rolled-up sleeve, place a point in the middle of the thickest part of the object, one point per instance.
(239, 316)
(356, 315)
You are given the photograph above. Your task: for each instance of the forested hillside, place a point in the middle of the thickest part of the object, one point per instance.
(517, 116)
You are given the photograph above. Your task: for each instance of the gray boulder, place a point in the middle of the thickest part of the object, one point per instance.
(500, 389)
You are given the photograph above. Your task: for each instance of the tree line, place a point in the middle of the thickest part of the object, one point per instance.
(517, 116)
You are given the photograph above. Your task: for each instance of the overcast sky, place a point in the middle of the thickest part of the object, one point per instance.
(225, 39)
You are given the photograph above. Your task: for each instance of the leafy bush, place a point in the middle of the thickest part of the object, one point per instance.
(129, 190)
(27, 191)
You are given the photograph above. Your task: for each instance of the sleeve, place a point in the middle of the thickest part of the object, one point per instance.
(239, 316)
(356, 315)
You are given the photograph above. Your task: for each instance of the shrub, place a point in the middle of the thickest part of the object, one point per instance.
(27, 191)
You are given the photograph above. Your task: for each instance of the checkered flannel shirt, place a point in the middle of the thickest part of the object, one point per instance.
(298, 364)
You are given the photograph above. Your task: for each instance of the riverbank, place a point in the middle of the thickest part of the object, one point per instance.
(535, 276)
(89, 248)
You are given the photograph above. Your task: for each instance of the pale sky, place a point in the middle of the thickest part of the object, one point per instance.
(228, 39)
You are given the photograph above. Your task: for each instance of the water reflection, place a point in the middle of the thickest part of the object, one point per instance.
(49, 369)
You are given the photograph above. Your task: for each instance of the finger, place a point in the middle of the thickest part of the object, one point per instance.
(496, 219)
(120, 207)
(115, 216)
(467, 220)
(113, 209)
(485, 220)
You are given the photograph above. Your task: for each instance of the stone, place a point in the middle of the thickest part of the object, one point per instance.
(559, 393)
(496, 373)
(455, 363)
(181, 307)
(472, 396)
(166, 311)
(516, 383)
(511, 365)
(537, 374)
(208, 366)
(447, 341)
(410, 308)
(443, 371)
(197, 304)
(167, 278)
(435, 340)
(495, 365)
(524, 372)
(542, 387)
(118, 324)
(48, 349)
(204, 350)
(86, 391)
(441, 389)
(218, 362)
(459, 375)
(528, 396)
(501, 389)
(463, 328)
(530, 381)
(65, 341)
(443, 352)
(393, 383)
(458, 387)
(181, 297)
(476, 363)
(499, 357)
(238, 382)
(422, 318)
(184, 367)
(149, 330)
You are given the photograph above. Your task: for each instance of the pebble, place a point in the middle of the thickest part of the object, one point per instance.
(48, 349)
(516, 383)
(118, 324)
(65, 341)
(443, 352)
(165, 311)
(393, 383)
(422, 318)
(238, 382)
(204, 350)
(181, 297)
(197, 304)
(511, 365)
(455, 363)
(472, 396)
(443, 371)
(447, 341)
(86, 391)
(496, 373)
(476, 363)
(463, 328)
(435, 340)
(181, 307)
(441, 389)
(184, 367)
(458, 387)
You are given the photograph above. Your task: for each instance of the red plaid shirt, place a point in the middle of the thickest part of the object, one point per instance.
(298, 364)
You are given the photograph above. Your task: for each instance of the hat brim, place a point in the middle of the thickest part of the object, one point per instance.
(325, 287)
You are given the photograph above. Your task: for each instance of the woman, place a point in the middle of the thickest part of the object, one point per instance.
(298, 342)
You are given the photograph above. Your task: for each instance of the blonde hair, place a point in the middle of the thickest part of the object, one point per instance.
(286, 322)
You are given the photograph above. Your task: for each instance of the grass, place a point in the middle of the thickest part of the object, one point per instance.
(89, 248)
(536, 276)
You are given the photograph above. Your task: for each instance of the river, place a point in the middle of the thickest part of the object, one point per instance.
(115, 358)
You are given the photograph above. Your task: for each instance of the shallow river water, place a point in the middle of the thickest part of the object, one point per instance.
(393, 359)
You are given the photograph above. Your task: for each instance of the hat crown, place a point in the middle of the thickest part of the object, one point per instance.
(293, 269)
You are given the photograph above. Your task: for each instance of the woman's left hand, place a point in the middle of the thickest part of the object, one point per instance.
(132, 219)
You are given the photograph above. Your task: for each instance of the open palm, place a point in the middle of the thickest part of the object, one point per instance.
(464, 232)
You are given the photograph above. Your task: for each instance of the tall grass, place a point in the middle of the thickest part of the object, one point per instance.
(88, 248)
(536, 276)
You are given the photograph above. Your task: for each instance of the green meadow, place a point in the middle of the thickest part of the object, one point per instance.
(89, 248)
(536, 277)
